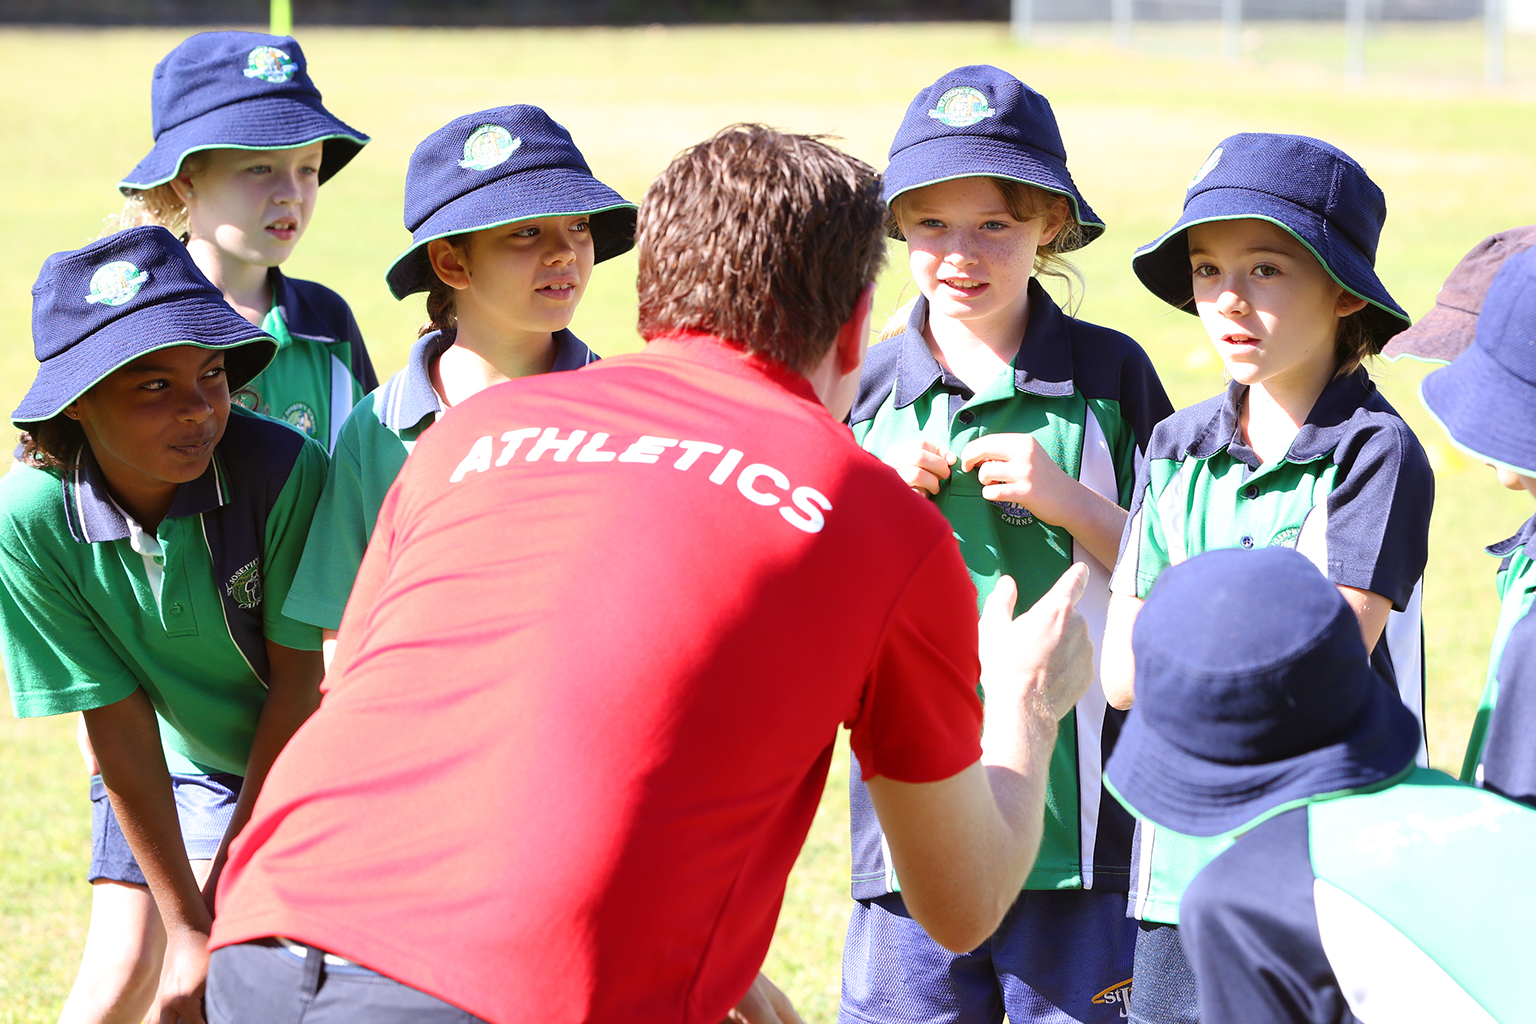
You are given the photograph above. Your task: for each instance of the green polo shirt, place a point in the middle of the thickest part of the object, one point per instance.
(1353, 494)
(321, 368)
(1090, 397)
(93, 607)
(1516, 586)
(369, 451)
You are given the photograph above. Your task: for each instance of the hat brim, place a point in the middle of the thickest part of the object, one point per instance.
(977, 156)
(1485, 410)
(266, 122)
(193, 321)
(1440, 336)
(1158, 780)
(1163, 265)
(545, 192)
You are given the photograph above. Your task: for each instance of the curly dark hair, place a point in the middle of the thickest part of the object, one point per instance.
(53, 444)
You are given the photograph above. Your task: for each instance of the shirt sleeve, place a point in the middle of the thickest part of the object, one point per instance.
(1256, 950)
(1509, 756)
(920, 718)
(288, 526)
(1144, 547)
(337, 538)
(1378, 513)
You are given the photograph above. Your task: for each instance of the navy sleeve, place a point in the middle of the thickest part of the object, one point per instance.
(1509, 757)
(1249, 926)
(1378, 512)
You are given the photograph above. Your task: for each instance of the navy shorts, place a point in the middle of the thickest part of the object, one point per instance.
(1165, 983)
(1060, 956)
(204, 804)
(263, 982)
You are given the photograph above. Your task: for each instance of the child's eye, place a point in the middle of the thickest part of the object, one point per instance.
(158, 384)
(259, 169)
(213, 373)
(531, 231)
(1265, 270)
(582, 225)
(1204, 270)
(931, 223)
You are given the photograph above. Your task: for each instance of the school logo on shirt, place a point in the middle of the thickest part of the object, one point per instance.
(245, 585)
(1116, 995)
(302, 416)
(270, 64)
(488, 146)
(1286, 538)
(1205, 168)
(115, 283)
(962, 107)
(1014, 513)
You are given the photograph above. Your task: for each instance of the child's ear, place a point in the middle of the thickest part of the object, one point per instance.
(448, 263)
(182, 186)
(1055, 220)
(1348, 303)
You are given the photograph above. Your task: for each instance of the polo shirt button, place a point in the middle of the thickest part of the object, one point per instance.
(966, 416)
(1251, 491)
(1247, 542)
(176, 609)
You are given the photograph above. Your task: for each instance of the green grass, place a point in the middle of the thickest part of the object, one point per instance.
(1451, 157)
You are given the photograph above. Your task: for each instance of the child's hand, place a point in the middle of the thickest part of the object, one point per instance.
(1013, 467)
(922, 465)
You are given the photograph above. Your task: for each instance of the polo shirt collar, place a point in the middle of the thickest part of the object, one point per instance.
(732, 358)
(1043, 365)
(94, 517)
(1521, 538)
(1324, 429)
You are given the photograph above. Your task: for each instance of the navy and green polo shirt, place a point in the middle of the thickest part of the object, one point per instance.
(1353, 494)
(92, 606)
(1090, 397)
(367, 456)
(1407, 903)
(321, 368)
(1516, 586)
(1506, 724)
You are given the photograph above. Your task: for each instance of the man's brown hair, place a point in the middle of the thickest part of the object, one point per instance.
(762, 238)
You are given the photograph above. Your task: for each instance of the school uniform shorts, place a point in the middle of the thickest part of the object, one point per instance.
(204, 804)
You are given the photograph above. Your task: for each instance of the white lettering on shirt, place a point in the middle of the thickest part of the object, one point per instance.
(802, 507)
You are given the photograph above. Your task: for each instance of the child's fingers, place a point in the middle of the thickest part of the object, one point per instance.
(994, 448)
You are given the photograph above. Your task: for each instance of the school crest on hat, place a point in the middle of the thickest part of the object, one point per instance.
(1205, 168)
(962, 107)
(488, 146)
(115, 283)
(269, 64)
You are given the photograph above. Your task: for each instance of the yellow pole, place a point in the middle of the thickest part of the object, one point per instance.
(282, 17)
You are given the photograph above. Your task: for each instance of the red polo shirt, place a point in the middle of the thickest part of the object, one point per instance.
(587, 690)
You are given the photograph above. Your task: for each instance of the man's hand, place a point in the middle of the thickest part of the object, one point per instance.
(763, 1004)
(1041, 660)
(922, 465)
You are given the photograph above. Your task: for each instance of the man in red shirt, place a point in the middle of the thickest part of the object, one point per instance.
(588, 683)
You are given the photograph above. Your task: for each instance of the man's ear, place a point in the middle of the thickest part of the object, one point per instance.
(853, 336)
(448, 263)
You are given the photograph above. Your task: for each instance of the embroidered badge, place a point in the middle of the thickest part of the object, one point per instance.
(270, 64)
(245, 585)
(487, 146)
(115, 283)
(1014, 513)
(1286, 538)
(961, 107)
(302, 416)
(1205, 168)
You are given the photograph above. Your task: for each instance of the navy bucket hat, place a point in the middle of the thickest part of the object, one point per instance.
(1253, 692)
(97, 308)
(237, 90)
(1444, 332)
(1486, 398)
(982, 121)
(495, 167)
(1302, 185)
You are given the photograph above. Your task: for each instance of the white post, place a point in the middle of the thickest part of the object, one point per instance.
(1354, 39)
(1232, 29)
(1120, 16)
(1494, 30)
(1023, 20)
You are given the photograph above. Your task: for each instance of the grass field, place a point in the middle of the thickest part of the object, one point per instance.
(1455, 162)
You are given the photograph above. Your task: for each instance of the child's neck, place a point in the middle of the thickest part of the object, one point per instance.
(477, 359)
(1273, 412)
(976, 351)
(244, 285)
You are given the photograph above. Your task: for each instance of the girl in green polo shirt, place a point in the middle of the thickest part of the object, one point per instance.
(147, 540)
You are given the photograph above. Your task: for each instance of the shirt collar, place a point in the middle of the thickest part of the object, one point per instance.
(732, 358)
(1521, 538)
(1324, 428)
(94, 517)
(1043, 365)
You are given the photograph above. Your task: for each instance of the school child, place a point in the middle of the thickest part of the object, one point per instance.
(147, 541)
(1024, 424)
(1359, 887)
(506, 222)
(1486, 402)
(1275, 254)
(242, 145)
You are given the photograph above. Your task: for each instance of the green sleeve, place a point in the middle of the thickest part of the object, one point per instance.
(339, 537)
(288, 525)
